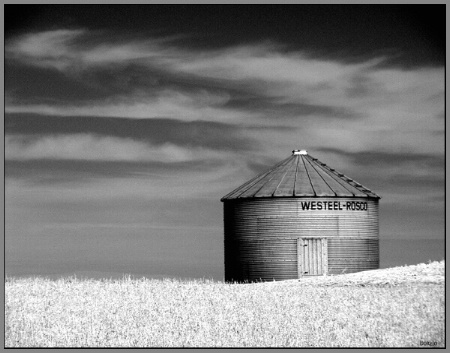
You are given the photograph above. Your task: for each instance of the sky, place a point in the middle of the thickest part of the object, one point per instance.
(125, 125)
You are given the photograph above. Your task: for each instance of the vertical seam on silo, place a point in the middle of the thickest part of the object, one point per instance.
(346, 184)
(307, 173)
(312, 165)
(276, 188)
(295, 177)
(279, 165)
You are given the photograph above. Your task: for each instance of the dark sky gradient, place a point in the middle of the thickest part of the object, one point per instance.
(414, 33)
(125, 125)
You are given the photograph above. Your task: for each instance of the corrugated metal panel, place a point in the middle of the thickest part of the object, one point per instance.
(269, 271)
(261, 236)
(346, 255)
(300, 175)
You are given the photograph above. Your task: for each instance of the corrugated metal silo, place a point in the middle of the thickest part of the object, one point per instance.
(300, 218)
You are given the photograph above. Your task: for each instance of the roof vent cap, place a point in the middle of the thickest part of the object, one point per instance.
(294, 152)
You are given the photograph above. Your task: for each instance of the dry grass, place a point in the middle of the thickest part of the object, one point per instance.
(399, 307)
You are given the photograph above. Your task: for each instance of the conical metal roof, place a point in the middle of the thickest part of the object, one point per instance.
(300, 175)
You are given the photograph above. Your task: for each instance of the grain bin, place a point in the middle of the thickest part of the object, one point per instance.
(299, 218)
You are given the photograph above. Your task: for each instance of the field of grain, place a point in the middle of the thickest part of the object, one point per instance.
(397, 307)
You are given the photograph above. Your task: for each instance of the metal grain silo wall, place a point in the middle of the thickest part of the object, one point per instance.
(265, 238)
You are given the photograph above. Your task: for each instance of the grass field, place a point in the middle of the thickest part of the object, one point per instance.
(398, 307)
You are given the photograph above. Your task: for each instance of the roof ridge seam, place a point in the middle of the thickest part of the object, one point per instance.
(307, 173)
(358, 185)
(270, 172)
(365, 189)
(252, 181)
(295, 177)
(312, 165)
(324, 165)
(345, 185)
(279, 183)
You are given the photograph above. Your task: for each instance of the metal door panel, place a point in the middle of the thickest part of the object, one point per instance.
(312, 256)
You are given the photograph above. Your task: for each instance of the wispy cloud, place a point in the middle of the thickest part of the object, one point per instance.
(46, 49)
(91, 147)
(169, 104)
(354, 107)
(72, 50)
(362, 105)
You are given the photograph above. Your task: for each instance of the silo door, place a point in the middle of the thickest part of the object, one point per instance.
(312, 256)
